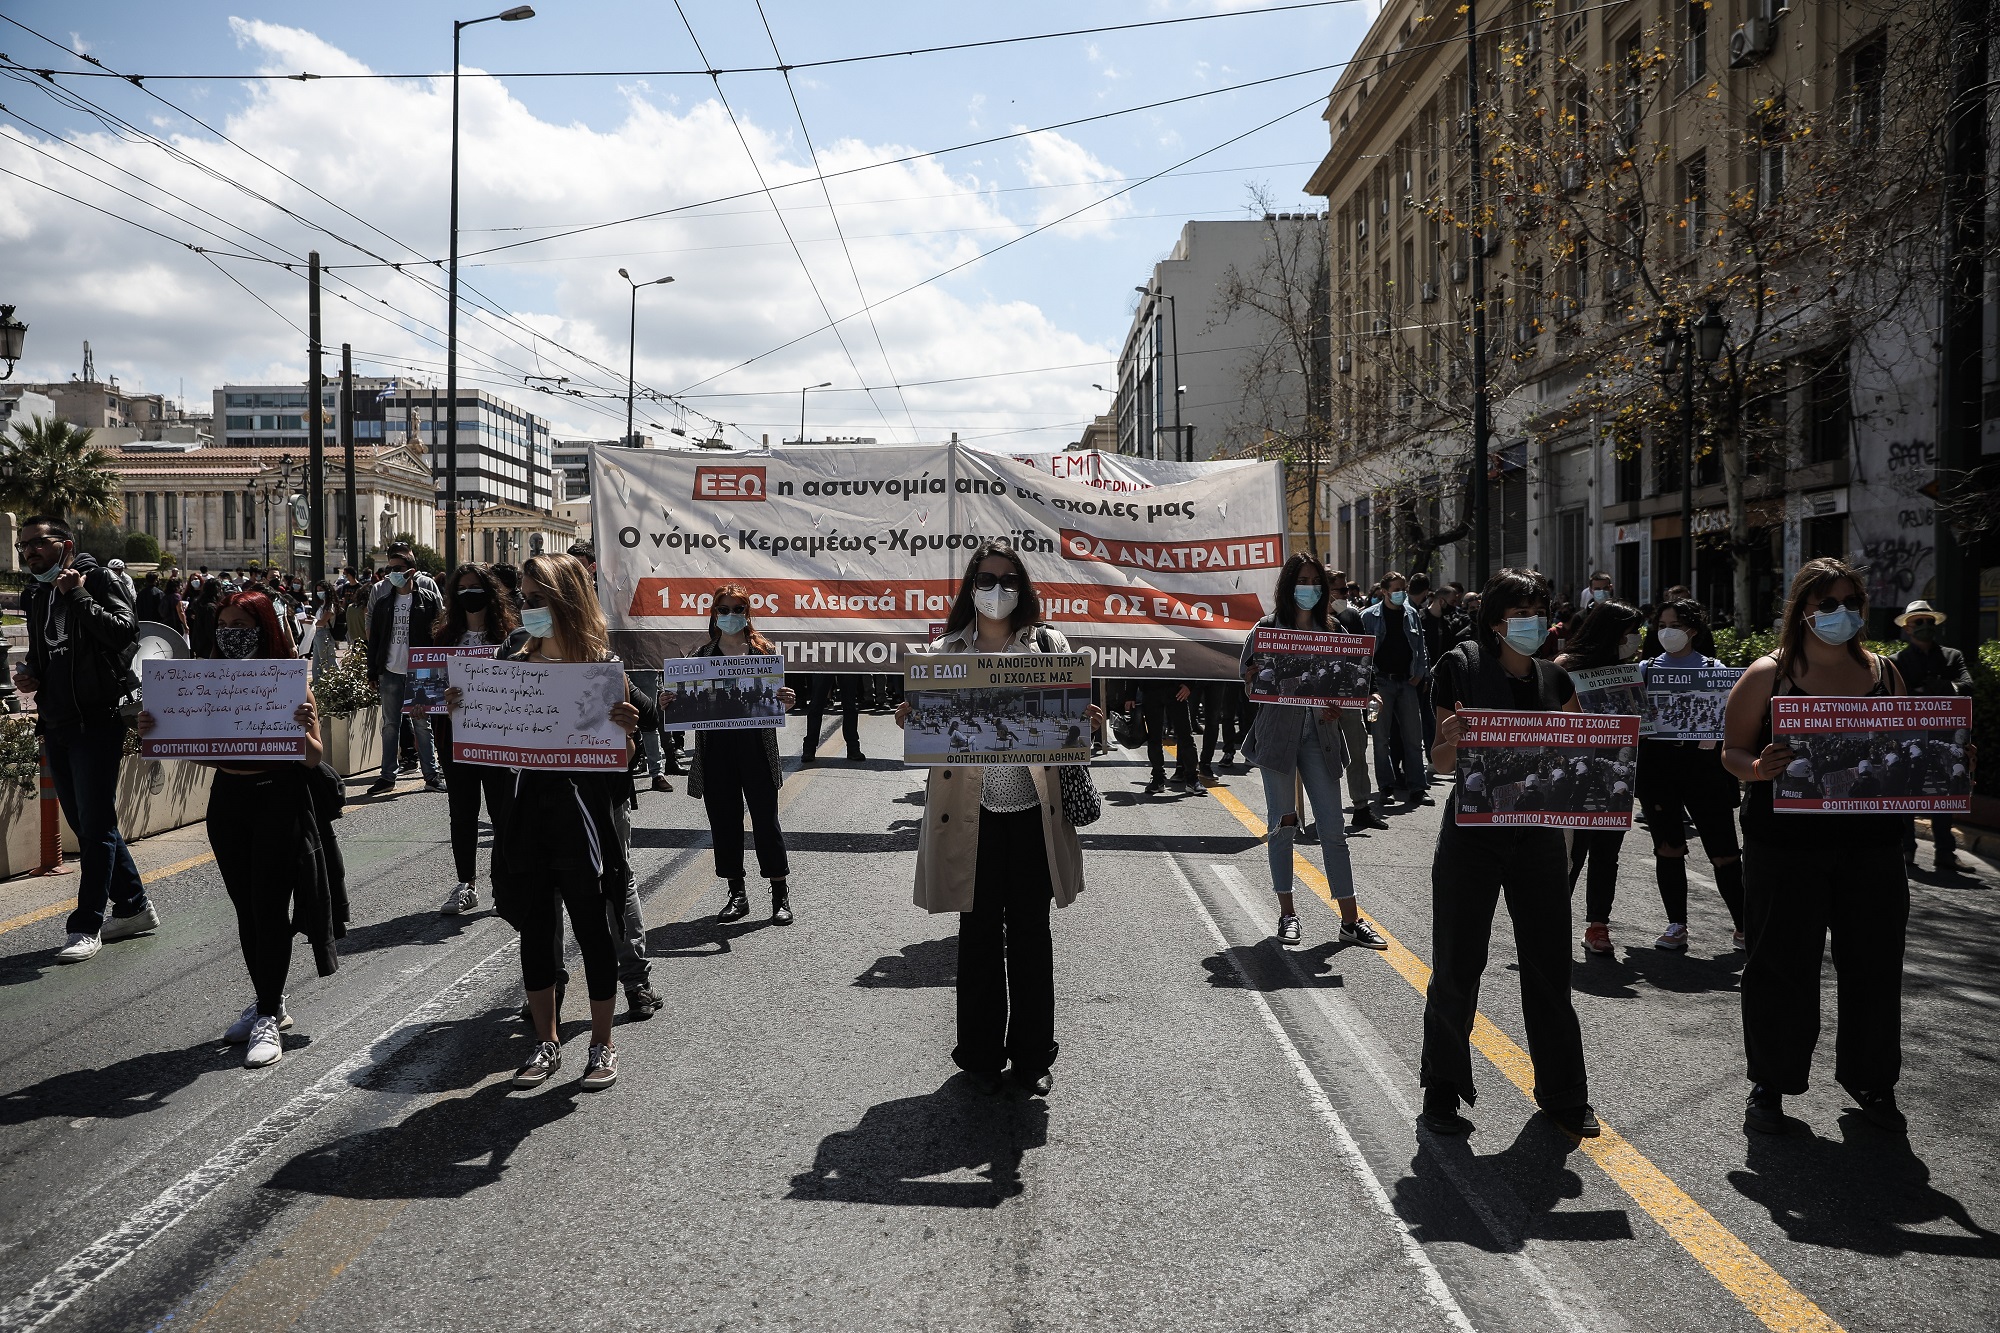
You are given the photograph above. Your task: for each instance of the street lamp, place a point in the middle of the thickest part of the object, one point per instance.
(514, 15)
(828, 384)
(13, 333)
(632, 349)
(1180, 389)
(1680, 346)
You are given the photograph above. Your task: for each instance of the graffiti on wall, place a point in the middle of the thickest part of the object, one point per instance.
(1894, 526)
(1898, 568)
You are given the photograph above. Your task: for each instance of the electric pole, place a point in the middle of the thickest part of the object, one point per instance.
(347, 448)
(316, 451)
(1482, 555)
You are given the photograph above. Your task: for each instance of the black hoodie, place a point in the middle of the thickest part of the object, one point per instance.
(80, 646)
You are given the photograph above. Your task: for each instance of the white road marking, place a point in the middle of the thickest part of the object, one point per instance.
(1514, 1246)
(109, 1252)
(1435, 1289)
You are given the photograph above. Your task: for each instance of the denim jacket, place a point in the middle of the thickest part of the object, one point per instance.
(1375, 623)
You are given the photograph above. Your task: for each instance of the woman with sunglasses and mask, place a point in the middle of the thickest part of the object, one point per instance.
(1683, 784)
(556, 845)
(476, 612)
(1473, 867)
(269, 845)
(734, 769)
(997, 848)
(1808, 875)
(1606, 635)
(1292, 745)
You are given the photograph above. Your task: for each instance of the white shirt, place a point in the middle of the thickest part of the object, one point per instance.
(399, 635)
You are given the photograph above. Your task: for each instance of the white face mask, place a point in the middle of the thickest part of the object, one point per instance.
(1629, 646)
(995, 603)
(1674, 639)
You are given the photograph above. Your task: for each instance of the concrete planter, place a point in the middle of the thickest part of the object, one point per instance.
(20, 816)
(354, 742)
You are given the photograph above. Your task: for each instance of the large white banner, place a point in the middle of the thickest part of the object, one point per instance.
(852, 556)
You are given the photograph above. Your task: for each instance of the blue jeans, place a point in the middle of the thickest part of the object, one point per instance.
(648, 683)
(1401, 701)
(84, 762)
(1322, 786)
(394, 689)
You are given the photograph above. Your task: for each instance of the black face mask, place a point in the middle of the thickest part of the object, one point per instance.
(472, 600)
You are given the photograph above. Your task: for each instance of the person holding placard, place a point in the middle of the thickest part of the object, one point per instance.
(997, 848)
(1805, 878)
(735, 769)
(1683, 782)
(556, 846)
(1292, 744)
(398, 620)
(1608, 635)
(270, 846)
(1475, 866)
(1930, 667)
(477, 612)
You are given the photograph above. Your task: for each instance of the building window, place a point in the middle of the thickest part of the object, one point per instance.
(1694, 41)
(153, 513)
(249, 517)
(131, 510)
(1768, 135)
(1691, 181)
(1829, 410)
(228, 515)
(173, 516)
(1862, 75)
(1825, 535)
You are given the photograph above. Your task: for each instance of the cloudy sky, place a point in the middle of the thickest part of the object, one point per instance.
(358, 168)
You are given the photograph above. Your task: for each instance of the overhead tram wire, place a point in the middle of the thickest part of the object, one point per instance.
(853, 272)
(104, 72)
(758, 170)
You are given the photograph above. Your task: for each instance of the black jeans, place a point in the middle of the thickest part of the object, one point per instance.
(1794, 897)
(83, 762)
(1714, 820)
(1221, 711)
(1006, 957)
(1160, 716)
(255, 824)
(736, 774)
(819, 690)
(1598, 849)
(463, 785)
(1943, 836)
(1470, 871)
(541, 914)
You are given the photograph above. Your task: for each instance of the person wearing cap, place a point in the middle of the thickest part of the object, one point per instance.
(1929, 667)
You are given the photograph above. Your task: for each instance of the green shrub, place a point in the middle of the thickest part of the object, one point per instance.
(1986, 717)
(1732, 650)
(20, 754)
(344, 690)
(141, 548)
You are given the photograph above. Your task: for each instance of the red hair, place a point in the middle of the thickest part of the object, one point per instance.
(277, 640)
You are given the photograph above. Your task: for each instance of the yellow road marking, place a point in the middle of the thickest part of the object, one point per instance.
(63, 905)
(1760, 1288)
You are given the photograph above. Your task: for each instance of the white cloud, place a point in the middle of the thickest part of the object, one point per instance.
(1051, 159)
(159, 313)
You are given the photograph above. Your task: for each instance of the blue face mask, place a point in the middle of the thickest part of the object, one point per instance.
(1835, 626)
(1305, 597)
(1525, 634)
(539, 621)
(1398, 598)
(732, 622)
(397, 578)
(53, 572)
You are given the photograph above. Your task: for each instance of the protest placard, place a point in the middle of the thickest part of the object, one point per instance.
(1555, 770)
(1686, 703)
(223, 708)
(429, 678)
(554, 715)
(979, 708)
(1311, 667)
(722, 693)
(1890, 754)
(1613, 690)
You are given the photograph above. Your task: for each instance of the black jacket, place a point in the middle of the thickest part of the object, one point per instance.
(1941, 670)
(425, 603)
(103, 638)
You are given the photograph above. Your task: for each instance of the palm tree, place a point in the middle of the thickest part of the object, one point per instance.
(49, 467)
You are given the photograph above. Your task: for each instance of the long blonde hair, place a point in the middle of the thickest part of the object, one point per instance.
(1813, 579)
(570, 594)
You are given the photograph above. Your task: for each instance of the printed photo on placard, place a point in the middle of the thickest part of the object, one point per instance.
(1686, 703)
(1554, 770)
(1899, 754)
(1017, 708)
(1612, 690)
(223, 708)
(429, 676)
(722, 693)
(553, 715)
(1311, 667)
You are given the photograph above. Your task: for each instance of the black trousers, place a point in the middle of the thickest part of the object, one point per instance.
(255, 825)
(819, 690)
(1159, 717)
(1943, 836)
(1006, 957)
(1714, 819)
(1597, 849)
(736, 774)
(541, 913)
(1470, 872)
(464, 783)
(1221, 711)
(1794, 897)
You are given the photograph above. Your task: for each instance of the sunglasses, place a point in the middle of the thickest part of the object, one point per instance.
(732, 609)
(983, 581)
(1828, 605)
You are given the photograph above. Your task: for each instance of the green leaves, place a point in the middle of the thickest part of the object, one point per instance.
(49, 467)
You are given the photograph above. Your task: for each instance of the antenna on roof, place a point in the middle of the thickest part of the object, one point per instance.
(89, 364)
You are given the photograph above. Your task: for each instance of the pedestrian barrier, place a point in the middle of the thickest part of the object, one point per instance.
(52, 855)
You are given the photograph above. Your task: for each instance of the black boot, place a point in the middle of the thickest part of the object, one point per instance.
(738, 905)
(781, 903)
(1440, 1114)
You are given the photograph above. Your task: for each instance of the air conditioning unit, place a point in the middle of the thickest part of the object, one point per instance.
(1407, 183)
(1345, 364)
(1361, 229)
(1381, 328)
(1575, 177)
(1430, 293)
(1385, 205)
(1752, 42)
(1460, 270)
(1484, 247)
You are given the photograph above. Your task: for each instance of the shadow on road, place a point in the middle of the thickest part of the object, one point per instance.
(127, 1087)
(1866, 1192)
(896, 1153)
(925, 963)
(1264, 964)
(1617, 976)
(1524, 1184)
(702, 937)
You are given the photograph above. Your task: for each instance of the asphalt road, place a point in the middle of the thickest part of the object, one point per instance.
(1229, 1143)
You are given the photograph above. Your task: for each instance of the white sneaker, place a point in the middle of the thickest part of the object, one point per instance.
(265, 1045)
(120, 927)
(239, 1032)
(81, 948)
(463, 899)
